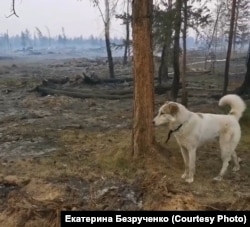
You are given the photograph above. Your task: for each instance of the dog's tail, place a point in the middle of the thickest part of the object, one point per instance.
(236, 103)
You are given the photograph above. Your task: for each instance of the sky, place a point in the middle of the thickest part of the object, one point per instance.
(77, 17)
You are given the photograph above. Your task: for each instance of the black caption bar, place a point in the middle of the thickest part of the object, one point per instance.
(80, 218)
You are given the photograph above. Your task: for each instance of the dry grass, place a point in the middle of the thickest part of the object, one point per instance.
(92, 168)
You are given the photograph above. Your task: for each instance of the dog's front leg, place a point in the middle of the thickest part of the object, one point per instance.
(184, 153)
(191, 165)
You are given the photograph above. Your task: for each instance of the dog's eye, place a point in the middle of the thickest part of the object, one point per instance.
(161, 113)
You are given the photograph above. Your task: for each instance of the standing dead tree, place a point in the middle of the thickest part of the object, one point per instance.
(41, 37)
(163, 31)
(106, 18)
(184, 97)
(245, 87)
(49, 36)
(229, 48)
(241, 23)
(127, 41)
(176, 50)
(213, 39)
(12, 10)
(126, 20)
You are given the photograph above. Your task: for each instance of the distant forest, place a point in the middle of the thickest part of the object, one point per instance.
(26, 41)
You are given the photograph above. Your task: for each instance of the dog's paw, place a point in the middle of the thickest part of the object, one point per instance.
(189, 180)
(218, 178)
(236, 168)
(184, 175)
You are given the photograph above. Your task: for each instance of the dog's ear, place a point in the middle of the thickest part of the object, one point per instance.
(173, 108)
(170, 108)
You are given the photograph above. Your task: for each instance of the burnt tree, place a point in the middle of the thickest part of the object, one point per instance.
(127, 41)
(245, 87)
(106, 18)
(13, 9)
(229, 48)
(176, 63)
(163, 68)
(184, 97)
(107, 39)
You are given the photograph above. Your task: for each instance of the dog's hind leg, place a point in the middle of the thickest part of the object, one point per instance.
(227, 146)
(226, 157)
(185, 157)
(236, 162)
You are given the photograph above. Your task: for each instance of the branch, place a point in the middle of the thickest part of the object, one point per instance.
(96, 3)
(113, 8)
(12, 10)
(111, 13)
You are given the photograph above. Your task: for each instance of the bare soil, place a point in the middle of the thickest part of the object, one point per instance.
(63, 153)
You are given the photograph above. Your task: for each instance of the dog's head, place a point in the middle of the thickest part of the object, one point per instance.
(167, 113)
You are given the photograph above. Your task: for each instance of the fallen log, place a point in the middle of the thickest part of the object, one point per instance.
(90, 80)
(50, 91)
(95, 80)
(54, 87)
(47, 89)
(99, 91)
(56, 81)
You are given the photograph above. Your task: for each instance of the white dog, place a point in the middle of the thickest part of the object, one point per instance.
(192, 130)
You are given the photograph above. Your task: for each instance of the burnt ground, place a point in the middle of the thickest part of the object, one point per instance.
(63, 153)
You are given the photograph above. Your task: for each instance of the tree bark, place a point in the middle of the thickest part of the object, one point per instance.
(184, 96)
(229, 48)
(163, 68)
(109, 54)
(235, 25)
(126, 48)
(176, 65)
(245, 87)
(143, 71)
(107, 39)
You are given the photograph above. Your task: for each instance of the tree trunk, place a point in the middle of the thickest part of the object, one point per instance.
(245, 87)
(214, 34)
(230, 40)
(235, 25)
(107, 39)
(143, 71)
(126, 49)
(125, 56)
(184, 97)
(176, 65)
(109, 53)
(163, 68)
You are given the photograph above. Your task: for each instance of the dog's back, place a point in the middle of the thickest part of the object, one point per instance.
(216, 125)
